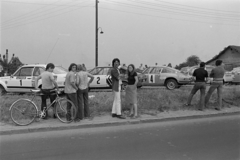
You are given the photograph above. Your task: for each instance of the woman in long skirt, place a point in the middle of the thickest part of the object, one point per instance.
(131, 91)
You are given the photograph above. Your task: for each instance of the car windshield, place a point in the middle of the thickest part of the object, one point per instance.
(147, 70)
(59, 70)
(100, 71)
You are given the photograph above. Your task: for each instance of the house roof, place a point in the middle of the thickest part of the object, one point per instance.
(233, 48)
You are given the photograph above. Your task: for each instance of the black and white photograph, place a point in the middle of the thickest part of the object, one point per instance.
(120, 79)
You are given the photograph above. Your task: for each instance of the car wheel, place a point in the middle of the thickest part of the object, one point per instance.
(123, 86)
(171, 84)
(2, 90)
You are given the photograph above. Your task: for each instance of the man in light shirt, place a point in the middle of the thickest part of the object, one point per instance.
(82, 93)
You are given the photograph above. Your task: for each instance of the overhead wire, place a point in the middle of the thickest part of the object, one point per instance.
(167, 11)
(16, 24)
(28, 12)
(169, 18)
(186, 9)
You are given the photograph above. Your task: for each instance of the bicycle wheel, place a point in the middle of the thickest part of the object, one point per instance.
(65, 110)
(23, 112)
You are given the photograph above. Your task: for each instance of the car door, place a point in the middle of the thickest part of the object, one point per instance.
(21, 81)
(36, 72)
(100, 75)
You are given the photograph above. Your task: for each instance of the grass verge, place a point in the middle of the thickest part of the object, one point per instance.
(150, 101)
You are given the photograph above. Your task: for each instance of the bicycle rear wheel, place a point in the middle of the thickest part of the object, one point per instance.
(23, 112)
(65, 110)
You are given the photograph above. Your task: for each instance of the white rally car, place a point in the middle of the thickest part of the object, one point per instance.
(101, 74)
(23, 80)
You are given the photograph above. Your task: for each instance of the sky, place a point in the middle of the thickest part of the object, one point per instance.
(135, 31)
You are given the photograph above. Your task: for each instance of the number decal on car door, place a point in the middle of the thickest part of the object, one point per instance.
(151, 78)
(98, 80)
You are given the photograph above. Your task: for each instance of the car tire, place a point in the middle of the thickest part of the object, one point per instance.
(2, 90)
(171, 84)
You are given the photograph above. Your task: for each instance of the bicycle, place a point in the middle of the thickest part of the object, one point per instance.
(24, 111)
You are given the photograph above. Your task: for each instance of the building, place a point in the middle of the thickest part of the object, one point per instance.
(230, 57)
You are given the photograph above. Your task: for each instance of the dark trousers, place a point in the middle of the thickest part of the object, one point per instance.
(198, 86)
(47, 93)
(73, 98)
(83, 101)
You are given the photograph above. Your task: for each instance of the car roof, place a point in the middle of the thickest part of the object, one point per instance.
(39, 65)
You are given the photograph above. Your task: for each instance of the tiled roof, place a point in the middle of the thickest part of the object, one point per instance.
(234, 48)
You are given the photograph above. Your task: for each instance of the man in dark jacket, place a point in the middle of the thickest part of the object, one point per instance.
(116, 87)
(200, 75)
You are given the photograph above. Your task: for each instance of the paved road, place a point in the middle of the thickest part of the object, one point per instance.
(216, 138)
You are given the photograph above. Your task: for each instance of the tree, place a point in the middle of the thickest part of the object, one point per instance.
(193, 60)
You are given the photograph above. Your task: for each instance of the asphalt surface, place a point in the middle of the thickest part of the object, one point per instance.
(210, 138)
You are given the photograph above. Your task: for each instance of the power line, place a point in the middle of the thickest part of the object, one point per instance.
(44, 18)
(167, 11)
(28, 12)
(197, 7)
(212, 12)
(168, 17)
(37, 16)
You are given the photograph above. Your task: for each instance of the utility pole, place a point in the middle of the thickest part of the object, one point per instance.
(96, 43)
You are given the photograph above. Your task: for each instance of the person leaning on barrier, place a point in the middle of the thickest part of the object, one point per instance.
(217, 74)
(71, 89)
(48, 85)
(200, 75)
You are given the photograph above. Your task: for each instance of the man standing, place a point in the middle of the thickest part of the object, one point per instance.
(217, 75)
(200, 75)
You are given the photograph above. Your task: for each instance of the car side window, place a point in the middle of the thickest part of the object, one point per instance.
(38, 71)
(166, 70)
(156, 70)
(26, 71)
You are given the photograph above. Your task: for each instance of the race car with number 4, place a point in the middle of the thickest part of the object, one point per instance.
(165, 76)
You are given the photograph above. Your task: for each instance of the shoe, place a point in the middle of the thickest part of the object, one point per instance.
(131, 115)
(187, 104)
(77, 120)
(114, 115)
(218, 109)
(121, 117)
(134, 117)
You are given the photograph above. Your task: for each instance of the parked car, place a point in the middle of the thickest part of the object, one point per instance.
(101, 74)
(165, 76)
(23, 80)
(236, 75)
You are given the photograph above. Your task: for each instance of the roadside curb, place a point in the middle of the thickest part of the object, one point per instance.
(112, 123)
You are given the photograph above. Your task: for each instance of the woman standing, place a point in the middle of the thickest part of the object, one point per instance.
(48, 85)
(131, 91)
(71, 89)
(82, 93)
(116, 87)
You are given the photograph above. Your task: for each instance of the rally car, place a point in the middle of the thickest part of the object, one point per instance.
(101, 75)
(165, 76)
(23, 80)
